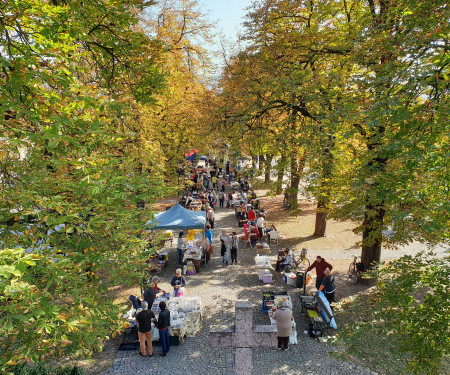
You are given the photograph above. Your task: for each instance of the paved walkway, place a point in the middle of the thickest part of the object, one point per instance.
(219, 286)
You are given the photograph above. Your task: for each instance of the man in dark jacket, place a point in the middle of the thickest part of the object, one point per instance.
(163, 325)
(144, 321)
(328, 288)
(319, 264)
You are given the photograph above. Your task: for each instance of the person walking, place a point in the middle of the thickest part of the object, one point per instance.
(283, 317)
(328, 288)
(163, 325)
(211, 216)
(223, 184)
(214, 181)
(180, 245)
(144, 322)
(179, 283)
(234, 247)
(320, 265)
(221, 197)
(225, 239)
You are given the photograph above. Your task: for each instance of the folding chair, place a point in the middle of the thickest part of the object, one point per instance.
(273, 236)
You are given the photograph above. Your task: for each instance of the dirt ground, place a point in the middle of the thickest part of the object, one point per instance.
(337, 247)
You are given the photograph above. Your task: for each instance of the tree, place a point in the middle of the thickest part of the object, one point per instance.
(69, 194)
(333, 64)
(395, 107)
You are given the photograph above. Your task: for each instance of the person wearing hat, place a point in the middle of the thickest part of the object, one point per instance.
(152, 291)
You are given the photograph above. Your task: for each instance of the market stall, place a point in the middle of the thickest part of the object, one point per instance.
(180, 218)
(263, 268)
(185, 317)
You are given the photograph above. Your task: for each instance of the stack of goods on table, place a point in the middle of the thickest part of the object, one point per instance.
(263, 268)
(263, 248)
(193, 254)
(189, 268)
(186, 314)
(156, 262)
(185, 317)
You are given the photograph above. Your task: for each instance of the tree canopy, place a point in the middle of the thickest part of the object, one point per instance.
(101, 99)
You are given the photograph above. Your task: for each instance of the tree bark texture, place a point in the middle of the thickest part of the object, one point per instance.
(261, 160)
(297, 165)
(267, 167)
(324, 197)
(321, 220)
(281, 166)
(372, 236)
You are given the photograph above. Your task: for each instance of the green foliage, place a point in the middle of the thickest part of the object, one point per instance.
(408, 313)
(70, 195)
(42, 369)
(361, 89)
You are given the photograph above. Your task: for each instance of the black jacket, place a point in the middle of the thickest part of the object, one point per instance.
(164, 319)
(144, 318)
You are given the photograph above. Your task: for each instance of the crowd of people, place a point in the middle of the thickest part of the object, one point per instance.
(206, 190)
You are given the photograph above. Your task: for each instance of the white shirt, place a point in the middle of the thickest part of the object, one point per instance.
(260, 222)
(211, 215)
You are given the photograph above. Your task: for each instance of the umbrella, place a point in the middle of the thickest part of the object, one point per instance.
(191, 152)
(191, 157)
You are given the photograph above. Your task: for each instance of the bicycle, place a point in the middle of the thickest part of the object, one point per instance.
(302, 262)
(355, 270)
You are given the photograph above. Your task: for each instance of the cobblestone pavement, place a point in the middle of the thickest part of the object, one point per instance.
(219, 286)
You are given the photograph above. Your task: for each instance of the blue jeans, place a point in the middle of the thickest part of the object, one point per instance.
(165, 340)
(180, 256)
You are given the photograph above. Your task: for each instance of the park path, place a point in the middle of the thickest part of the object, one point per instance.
(219, 286)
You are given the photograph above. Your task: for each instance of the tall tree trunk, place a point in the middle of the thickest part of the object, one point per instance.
(260, 164)
(280, 166)
(323, 200)
(297, 165)
(321, 219)
(375, 210)
(267, 167)
(372, 236)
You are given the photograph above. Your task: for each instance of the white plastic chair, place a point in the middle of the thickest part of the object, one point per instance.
(273, 235)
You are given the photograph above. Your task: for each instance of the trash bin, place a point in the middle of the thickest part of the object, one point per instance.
(299, 280)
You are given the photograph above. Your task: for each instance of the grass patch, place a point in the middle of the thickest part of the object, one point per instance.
(368, 347)
(258, 184)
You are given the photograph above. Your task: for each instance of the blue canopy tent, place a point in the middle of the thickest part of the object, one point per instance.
(178, 218)
(203, 157)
